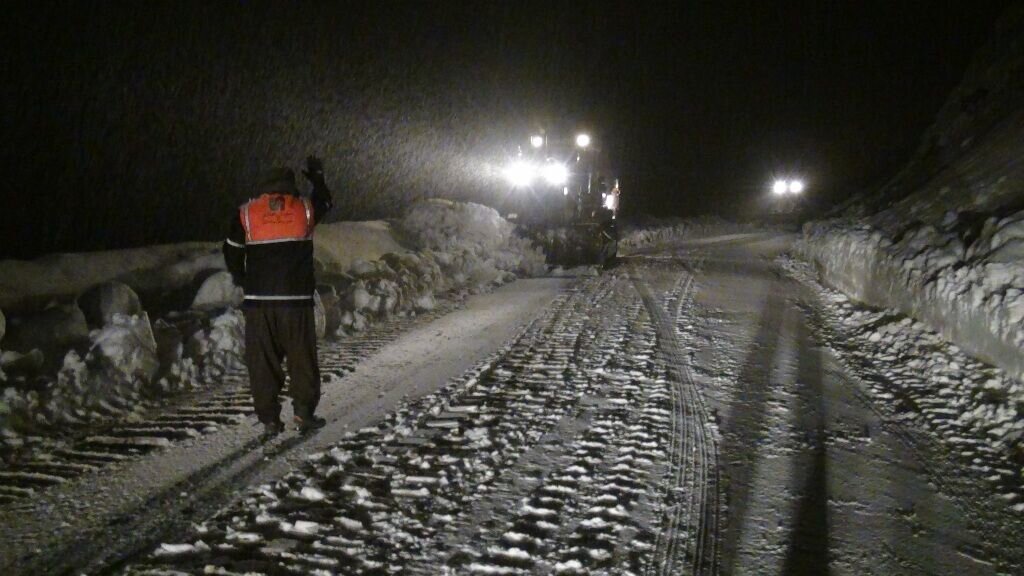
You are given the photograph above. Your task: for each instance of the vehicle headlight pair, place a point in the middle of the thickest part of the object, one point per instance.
(521, 173)
(782, 187)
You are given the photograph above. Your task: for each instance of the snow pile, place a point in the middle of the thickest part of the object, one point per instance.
(472, 241)
(217, 291)
(646, 234)
(451, 247)
(966, 283)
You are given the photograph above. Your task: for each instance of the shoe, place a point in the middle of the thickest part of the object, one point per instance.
(305, 425)
(270, 431)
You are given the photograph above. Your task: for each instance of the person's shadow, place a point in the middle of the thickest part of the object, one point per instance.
(747, 430)
(807, 553)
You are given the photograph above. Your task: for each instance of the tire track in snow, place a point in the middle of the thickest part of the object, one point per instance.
(227, 403)
(583, 496)
(690, 531)
(378, 499)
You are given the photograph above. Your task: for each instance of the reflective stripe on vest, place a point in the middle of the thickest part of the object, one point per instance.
(273, 218)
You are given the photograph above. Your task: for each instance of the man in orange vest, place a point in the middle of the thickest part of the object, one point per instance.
(269, 252)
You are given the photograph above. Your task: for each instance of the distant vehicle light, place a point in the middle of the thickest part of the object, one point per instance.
(536, 140)
(583, 140)
(520, 173)
(611, 202)
(796, 186)
(780, 187)
(555, 174)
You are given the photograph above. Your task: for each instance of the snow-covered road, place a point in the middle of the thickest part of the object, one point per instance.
(820, 474)
(112, 512)
(688, 412)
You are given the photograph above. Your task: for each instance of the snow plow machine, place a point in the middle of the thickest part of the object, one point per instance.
(564, 198)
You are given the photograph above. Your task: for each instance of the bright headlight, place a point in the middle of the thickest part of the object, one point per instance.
(555, 174)
(611, 202)
(536, 140)
(780, 187)
(583, 140)
(520, 173)
(796, 186)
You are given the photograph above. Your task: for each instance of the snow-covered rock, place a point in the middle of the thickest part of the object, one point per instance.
(54, 331)
(219, 347)
(943, 241)
(363, 268)
(103, 384)
(359, 297)
(101, 302)
(217, 291)
(425, 303)
(127, 345)
(353, 321)
(17, 364)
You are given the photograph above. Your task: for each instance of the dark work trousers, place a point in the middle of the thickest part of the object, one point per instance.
(271, 335)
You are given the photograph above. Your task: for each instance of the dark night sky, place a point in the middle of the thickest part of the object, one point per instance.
(143, 122)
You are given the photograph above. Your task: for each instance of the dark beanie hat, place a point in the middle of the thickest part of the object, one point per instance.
(278, 180)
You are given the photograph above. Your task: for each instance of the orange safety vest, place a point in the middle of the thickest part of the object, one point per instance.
(277, 217)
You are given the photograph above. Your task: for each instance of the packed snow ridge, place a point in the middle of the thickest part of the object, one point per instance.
(79, 346)
(970, 289)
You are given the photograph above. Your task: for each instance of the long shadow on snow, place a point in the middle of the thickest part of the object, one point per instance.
(745, 430)
(807, 553)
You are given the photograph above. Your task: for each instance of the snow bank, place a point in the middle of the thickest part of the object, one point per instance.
(646, 234)
(943, 241)
(27, 284)
(968, 287)
(366, 272)
(439, 246)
